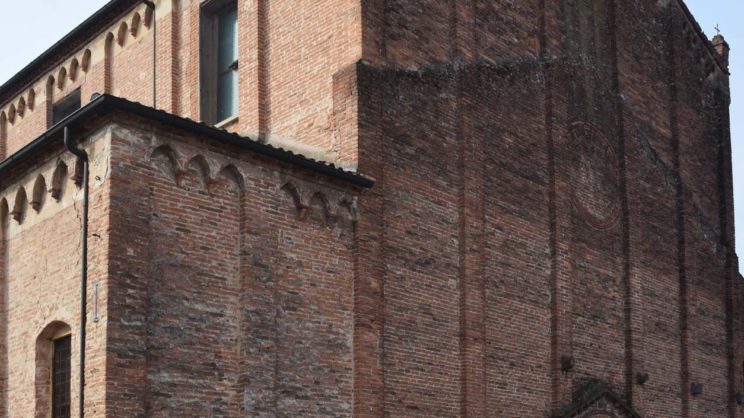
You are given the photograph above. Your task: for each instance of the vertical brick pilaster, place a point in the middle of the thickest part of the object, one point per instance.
(559, 215)
(373, 31)
(683, 295)
(630, 298)
(168, 15)
(187, 46)
(46, 106)
(472, 258)
(264, 67)
(345, 116)
(250, 64)
(108, 64)
(95, 78)
(463, 29)
(259, 373)
(561, 250)
(369, 267)
(130, 275)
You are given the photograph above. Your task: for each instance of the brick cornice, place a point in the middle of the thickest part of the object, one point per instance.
(107, 103)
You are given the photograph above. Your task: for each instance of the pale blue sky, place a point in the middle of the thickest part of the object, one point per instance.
(24, 38)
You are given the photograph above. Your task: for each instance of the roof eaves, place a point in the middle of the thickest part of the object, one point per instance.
(105, 103)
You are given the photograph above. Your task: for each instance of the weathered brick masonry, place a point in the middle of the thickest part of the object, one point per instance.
(550, 230)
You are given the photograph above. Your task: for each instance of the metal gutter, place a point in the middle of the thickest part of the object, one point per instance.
(106, 103)
(51, 135)
(83, 157)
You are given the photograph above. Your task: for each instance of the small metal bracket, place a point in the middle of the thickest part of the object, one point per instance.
(95, 302)
(567, 364)
(641, 378)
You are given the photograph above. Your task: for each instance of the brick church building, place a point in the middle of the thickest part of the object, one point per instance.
(371, 208)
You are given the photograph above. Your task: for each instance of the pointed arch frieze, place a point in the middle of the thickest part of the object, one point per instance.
(309, 200)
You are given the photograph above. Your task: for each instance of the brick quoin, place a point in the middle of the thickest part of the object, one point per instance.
(424, 208)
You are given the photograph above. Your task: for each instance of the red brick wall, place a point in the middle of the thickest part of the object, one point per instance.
(412, 33)
(131, 67)
(41, 284)
(32, 124)
(231, 299)
(553, 181)
(286, 71)
(454, 244)
(597, 241)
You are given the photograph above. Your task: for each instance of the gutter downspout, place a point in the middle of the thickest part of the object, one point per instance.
(151, 5)
(83, 157)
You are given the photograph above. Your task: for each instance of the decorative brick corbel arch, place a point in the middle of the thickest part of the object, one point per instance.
(19, 205)
(122, 33)
(61, 78)
(232, 176)
(297, 198)
(319, 203)
(199, 167)
(31, 102)
(134, 26)
(12, 113)
(167, 160)
(59, 179)
(349, 205)
(38, 196)
(4, 213)
(21, 107)
(73, 72)
(85, 62)
(148, 17)
(49, 99)
(3, 134)
(108, 69)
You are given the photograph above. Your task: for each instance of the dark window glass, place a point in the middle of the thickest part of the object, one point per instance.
(227, 61)
(66, 107)
(219, 61)
(61, 378)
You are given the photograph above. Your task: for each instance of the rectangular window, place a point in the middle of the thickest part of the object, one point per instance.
(61, 374)
(219, 61)
(65, 107)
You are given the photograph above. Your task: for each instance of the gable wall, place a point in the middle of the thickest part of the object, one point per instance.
(525, 213)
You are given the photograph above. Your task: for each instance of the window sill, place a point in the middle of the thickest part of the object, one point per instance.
(227, 122)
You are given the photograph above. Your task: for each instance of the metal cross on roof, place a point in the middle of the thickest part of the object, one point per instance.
(718, 29)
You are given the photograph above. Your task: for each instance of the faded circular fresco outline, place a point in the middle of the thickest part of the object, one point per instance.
(594, 174)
